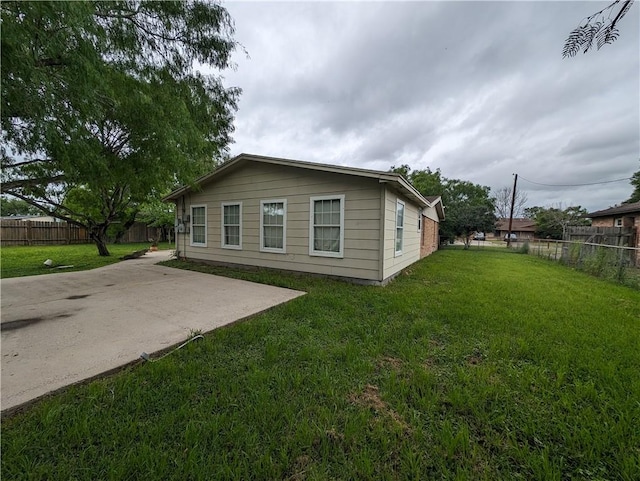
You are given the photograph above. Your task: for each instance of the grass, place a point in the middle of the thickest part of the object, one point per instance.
(18, 261)
(605, 262)
(472, 365)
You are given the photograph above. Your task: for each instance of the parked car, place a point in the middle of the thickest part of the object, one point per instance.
(479, 236)
(513, 237)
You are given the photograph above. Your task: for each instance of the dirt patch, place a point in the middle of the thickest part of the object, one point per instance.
(334, 436)
(475, 358)
(391, 362)
(21, 323)
(370, 398)
(300, 468)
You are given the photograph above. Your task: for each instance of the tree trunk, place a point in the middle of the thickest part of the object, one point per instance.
(99, 236)
(126, 226)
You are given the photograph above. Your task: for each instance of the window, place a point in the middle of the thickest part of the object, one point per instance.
(273, 220)
(399, 226)
(618, 222)
(326, 226)
(232, 225)
(420, 220)
(199, 225)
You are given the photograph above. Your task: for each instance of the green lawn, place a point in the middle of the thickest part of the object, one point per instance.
(18, 261)
(481, 364)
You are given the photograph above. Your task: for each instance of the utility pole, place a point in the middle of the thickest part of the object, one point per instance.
(513, 201)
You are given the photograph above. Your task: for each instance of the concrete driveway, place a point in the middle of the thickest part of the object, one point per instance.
(58, 329)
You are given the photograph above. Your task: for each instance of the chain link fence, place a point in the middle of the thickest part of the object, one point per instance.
(617, 263)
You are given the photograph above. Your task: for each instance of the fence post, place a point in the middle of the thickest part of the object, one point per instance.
(29, 233)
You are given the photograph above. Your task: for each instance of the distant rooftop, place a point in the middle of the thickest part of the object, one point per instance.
(519, 224)
(618, 209)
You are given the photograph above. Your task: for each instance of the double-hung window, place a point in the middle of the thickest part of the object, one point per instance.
(273, 225)
(199, 225)
(232, 225)
(399, 227)
(326, 226)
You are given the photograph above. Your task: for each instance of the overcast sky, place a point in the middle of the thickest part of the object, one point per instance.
(477, 89)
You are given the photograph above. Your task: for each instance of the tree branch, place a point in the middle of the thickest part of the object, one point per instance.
(26, 162)
(50, 212)
(51, 62)
(5, 187)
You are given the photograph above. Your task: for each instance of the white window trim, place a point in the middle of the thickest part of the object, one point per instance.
(222, 243)
(312, 251)
(191, 242)
(395, 236)
(420, 213)
(284, 227)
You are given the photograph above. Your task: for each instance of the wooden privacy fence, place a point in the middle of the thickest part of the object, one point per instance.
(613, 236)
(27, 233)
(138, 232)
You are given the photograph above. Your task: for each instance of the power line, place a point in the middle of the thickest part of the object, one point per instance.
(574, 185)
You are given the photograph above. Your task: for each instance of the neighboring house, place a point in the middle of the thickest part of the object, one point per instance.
(624, 216)
(324, 219)
(522, 228)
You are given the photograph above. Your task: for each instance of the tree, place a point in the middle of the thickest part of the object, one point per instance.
(469, 208)
(503, 202)
(102, 106)
(161, 216)
(600, 27)
(11, 207)
(552, 222)
(425, 181)
(635, 182)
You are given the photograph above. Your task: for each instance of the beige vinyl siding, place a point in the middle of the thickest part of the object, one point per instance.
(393, 263)
(255, 182)
(431, 213)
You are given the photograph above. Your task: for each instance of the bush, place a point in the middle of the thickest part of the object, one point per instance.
(524, 248)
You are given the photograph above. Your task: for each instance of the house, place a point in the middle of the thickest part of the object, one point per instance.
(624, 217)
(359, 224)
(521, 227)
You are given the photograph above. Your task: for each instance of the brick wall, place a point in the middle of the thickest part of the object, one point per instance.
(602, 222)
(429, 241)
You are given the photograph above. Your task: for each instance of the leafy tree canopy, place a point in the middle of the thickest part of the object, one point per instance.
(102, 106)
(11, 207)
(552, 222)
(468, 206)
(160, 215)
(635, 182)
